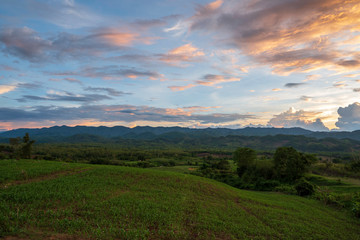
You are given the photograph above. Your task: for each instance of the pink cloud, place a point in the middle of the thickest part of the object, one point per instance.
(184, 53)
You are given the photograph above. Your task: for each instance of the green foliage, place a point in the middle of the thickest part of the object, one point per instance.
(22, 148)
(355, 208)
(355, 166)
(304, 187)
(339, 192)
(244, 157)
(290, 164)
(27, 146)
(335, 170)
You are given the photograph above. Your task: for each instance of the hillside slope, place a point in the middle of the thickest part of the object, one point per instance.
(54, 200)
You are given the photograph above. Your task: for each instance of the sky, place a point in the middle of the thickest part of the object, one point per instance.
(197, 64)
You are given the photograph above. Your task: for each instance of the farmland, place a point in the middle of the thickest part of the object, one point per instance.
(47, 199)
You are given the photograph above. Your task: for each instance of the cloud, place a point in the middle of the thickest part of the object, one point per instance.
(289, 35)
(340, 84)
(207, 80)
(293, 85)
(181, 88)
(301, 118)
(111, 72)
(142, 58)
(349, 63)
(349, 117)
(312, 77)
(306, 98)
(212, 79)
(33, 85)
(276, 89)
(71, 80)
(24, 43)
(356, 90)
(121, 38)
(27, 44)
(65, 97)
(184, 53)
(115, 113)
(110, 91)
(66, 14)
(6, 88)
(7, 68)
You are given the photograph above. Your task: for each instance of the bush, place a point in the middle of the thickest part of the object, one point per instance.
(99, 161)
(356, 204)
(289, 189)
(304, 188)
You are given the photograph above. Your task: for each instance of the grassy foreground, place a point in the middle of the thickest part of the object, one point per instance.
(54, 200)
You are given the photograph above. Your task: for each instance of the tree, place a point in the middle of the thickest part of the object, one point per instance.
(15, 145)
(244, 157)
(290, 164)
(26, 146)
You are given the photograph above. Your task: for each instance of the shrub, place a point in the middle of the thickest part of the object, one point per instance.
(304, 188)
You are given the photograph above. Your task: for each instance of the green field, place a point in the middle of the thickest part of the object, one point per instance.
(55, 200)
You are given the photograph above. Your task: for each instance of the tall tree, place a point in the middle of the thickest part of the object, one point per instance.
(27, 146)
(290, 164)
(244, 157)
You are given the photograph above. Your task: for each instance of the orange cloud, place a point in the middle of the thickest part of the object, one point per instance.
(181, 88)
(293, 118)
(210, 80)
(123, 37)
(214, 5)
(184, 53)
(207, 80)
(6, 88)
(120, 38)
(281, 33)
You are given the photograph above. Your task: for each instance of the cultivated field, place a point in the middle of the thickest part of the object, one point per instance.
(56, 200)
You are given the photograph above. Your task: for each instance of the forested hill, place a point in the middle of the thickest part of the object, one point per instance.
(153, 132)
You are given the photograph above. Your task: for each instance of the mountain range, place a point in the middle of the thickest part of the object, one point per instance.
(148, 133)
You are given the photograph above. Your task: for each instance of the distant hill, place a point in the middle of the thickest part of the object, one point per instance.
(148, 133)
(186, 138)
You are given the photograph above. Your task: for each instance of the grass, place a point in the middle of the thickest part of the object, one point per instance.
(112, 202)
(339, 185)
(178, 169)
